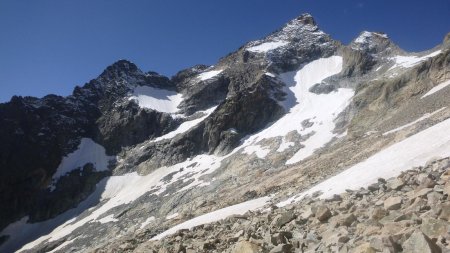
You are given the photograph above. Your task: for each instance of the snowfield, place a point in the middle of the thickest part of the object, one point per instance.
(87, 152)
(411, 152)
(209, 74)
(157, 99)
(319, 109)
(411, 61)
(267, 46)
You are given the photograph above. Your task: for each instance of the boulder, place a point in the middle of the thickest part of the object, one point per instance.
(283, 218)
(393, 203)
(395, 184)
(434, 228)
(418, 242)
(364, 248)
(246, 247)
(282, 248)
(323, 213)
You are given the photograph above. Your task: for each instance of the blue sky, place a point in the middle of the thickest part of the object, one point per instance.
(49, 46)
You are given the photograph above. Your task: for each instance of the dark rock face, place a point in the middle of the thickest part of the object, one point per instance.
(128, 125)
(245, 113)
(37, 133)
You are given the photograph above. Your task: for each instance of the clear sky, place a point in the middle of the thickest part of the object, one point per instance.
(49, 46)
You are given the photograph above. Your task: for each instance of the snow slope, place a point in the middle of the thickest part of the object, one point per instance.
(436, 88)
(411, 61)
(185, 126)
(320, 109)
(411, 152)
(209, 74)
(267, 46)
(216, 216)
(112, 192)
(157, 99)
(88, 152)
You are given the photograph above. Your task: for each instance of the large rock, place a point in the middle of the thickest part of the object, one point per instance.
(434, 228)
(418, 242)
(393, 203)
(323, 213)
(246, 247)
(282, 248)
(283, 218)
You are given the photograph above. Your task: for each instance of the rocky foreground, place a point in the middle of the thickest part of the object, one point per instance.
(410, 213)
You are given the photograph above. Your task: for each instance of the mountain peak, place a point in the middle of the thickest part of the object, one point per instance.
(119, 69)
(372, 42)
(124, 65)
(306, 19)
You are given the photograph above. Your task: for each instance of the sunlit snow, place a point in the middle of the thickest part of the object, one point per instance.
(157, 99)
(185, 126)
(267, 46)
(87, 152)
(411, 61)
(109, 218)
(320, 109)
(209, 74)
(257, 150)
(411, 152)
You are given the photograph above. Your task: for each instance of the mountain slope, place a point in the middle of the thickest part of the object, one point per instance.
(267, 121)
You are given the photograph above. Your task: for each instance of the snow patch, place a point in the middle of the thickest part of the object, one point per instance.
(257, 149)
(147, 221)
(411, 61)
(157, 99)
(413, 151)
(209, 74)
(437, 88)
(87, 152)
(109, 218)
(64, 244)
(424, 117)
(217, 215)
(172, 216)
(285, 145)
(267, 46)
(320, 109)
(185, 126)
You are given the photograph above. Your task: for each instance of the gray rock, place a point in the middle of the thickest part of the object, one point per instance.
(393, 203)
(246, 247)
(283, 218)
(323, 213)
(282, 248)
(420, 243)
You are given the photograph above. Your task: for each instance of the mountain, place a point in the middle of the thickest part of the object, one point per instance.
(135, 155)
